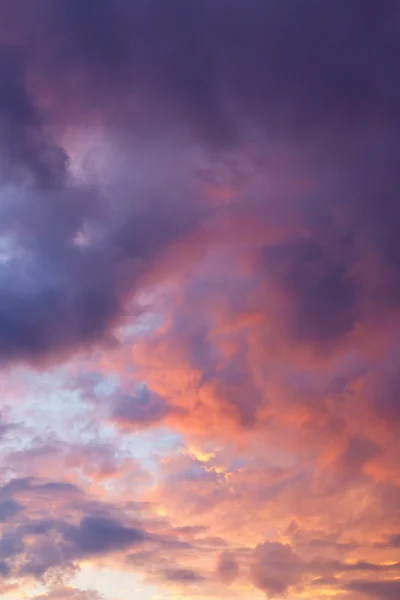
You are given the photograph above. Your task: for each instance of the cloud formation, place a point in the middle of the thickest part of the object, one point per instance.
(182, 68)
(199, 298)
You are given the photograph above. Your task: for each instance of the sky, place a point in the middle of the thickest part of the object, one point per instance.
(199, 299)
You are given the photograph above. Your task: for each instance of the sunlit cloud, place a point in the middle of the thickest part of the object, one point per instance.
(199, 300)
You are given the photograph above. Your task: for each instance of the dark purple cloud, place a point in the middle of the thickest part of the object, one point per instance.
(381, 590)
(27, 153)
(322, 80)
(206, 62)
(98, 535)
(139, 410)
(56, 540)
(317, 280)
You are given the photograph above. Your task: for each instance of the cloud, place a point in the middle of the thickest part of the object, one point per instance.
(276, 567)
(140, 410)
(69, 593)
(27, 152)
(200, 200)
(65, 294)
(194, 79)
(227, 567)
(101, 534)
(8, 508)
(394, 541)
(383, 590)
(40, 535)
(187, 73)
(321, 295)
(185, 576)
(55, 527)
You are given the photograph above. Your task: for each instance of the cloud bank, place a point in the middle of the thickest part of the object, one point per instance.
(199, 298)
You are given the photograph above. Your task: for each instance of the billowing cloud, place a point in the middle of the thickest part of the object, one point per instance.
(199, 298)
(183, 70)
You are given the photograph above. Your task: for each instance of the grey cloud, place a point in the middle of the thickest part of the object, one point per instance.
(381, 590)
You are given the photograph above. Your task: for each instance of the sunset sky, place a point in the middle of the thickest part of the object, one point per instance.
(199, 299)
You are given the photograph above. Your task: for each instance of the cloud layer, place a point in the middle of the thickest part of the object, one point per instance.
(199, 299)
